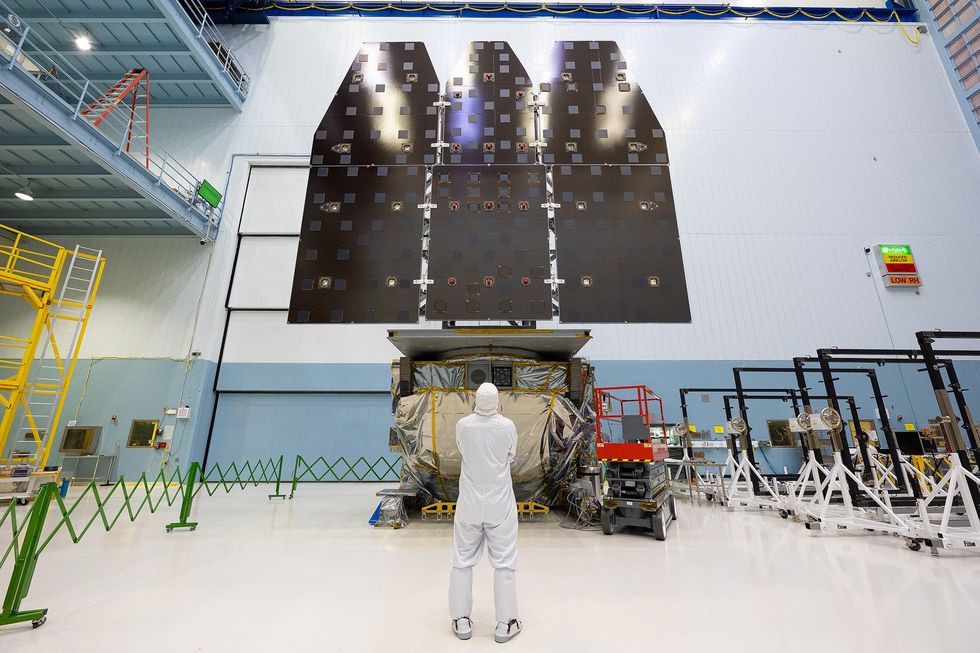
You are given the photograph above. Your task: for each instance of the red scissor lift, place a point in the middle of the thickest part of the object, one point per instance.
(637, 489)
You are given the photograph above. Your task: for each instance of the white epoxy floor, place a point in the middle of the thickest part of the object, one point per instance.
(310, 575)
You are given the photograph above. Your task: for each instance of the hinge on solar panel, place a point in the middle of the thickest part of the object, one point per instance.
(534, 102)
(441, 103)
(538, 144)
(427, 205)
(551, 205)
(554, 282)
(438, 144)
(424, 281)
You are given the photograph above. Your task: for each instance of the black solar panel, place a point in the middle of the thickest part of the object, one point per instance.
(488, 119)
(488, 255)
(594, 111)
(618, 247)
(359, 249)
(384, 111)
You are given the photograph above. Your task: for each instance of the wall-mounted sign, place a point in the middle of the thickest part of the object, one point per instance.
(902, 280)
(897, 266)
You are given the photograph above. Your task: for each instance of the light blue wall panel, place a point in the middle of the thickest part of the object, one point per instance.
(305, 376)
(137, 389)
(260, 426)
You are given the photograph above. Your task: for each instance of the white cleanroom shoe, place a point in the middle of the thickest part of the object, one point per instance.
(463, 627)
(507, 631)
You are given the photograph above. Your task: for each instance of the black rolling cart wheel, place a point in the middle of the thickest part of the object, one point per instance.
(606, 521)
(657, 524)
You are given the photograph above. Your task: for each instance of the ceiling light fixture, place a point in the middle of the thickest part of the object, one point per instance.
(25, 193)
(83, 42)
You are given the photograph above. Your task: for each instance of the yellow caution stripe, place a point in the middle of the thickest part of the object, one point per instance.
(448, 508)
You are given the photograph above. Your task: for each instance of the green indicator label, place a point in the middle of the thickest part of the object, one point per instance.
(209, 194)
(895, 249)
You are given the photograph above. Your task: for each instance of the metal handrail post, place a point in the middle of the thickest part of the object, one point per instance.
(125, 136)
(81, 100)
(19, 48)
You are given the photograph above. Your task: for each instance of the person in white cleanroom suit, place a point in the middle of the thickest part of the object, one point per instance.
(486, 512)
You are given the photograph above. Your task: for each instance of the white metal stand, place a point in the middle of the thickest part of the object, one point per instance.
(740, 491)
(959, 525)
(825, 515)
(884, 474)
(914, 475)
(808, 487)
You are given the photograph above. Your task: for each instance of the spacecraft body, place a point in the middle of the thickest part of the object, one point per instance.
(543, 389)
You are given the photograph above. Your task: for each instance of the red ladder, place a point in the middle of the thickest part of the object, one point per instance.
(135, 85)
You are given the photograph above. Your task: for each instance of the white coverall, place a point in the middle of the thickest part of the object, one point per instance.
(486, 510)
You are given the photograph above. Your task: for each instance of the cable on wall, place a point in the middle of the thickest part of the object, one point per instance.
(891, 338)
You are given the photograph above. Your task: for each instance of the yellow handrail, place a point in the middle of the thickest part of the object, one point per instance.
(29, 259)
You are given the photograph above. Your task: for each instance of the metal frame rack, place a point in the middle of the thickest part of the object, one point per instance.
(889, 494)
(692, 479)
(777, 500)
(800, 372)
(786, 496)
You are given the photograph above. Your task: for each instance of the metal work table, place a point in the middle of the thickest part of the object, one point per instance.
(85, 469)
(713, 487)
(23, 488)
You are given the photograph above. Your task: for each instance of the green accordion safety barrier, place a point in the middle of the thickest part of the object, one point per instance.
(33, 529)
(320, 470)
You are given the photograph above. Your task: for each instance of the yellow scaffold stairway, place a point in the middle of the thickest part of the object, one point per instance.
(58, 285)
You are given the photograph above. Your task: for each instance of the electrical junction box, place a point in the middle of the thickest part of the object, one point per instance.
(897, 266)
(167, 433)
